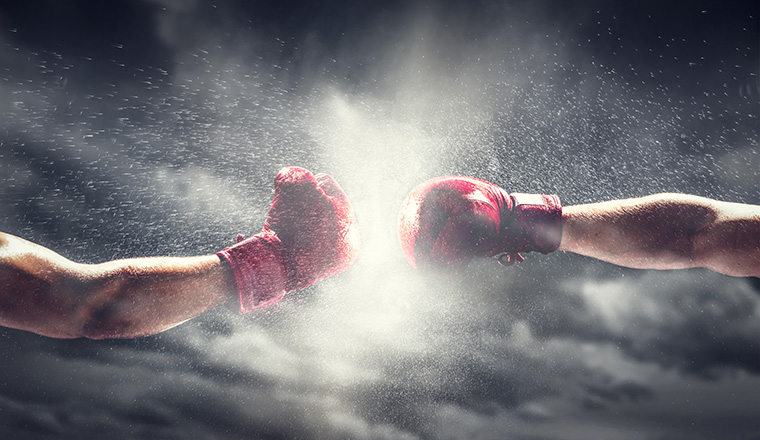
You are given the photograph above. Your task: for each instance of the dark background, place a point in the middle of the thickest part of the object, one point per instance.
(143, 128)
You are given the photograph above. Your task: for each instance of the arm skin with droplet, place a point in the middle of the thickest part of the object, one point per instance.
(667, 231)
(45, 293)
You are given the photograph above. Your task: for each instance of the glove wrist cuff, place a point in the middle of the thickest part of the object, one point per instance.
(259, 270)
(539, 220)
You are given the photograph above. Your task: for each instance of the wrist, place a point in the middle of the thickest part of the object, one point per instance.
(535, 224)
(259, 270)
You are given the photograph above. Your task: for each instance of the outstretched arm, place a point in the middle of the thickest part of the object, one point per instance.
(667, 231)
(45, 293)
(310, 234)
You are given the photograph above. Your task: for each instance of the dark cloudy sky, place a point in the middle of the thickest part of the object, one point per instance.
(155, 127)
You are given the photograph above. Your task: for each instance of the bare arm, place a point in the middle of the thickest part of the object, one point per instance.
(667, 231)
(45, 293)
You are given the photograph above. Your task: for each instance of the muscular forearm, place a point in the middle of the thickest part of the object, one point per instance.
(136, 297)
(644, 233)
(667, 231)
(45, 293)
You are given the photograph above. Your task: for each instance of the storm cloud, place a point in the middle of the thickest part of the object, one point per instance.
(155, 128)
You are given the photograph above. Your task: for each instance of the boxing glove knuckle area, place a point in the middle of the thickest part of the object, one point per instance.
(449, 220)
(308, 235)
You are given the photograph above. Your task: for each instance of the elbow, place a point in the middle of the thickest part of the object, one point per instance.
(730, 247)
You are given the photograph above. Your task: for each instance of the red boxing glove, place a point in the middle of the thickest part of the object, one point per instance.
(447, 221)
(310, 234)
